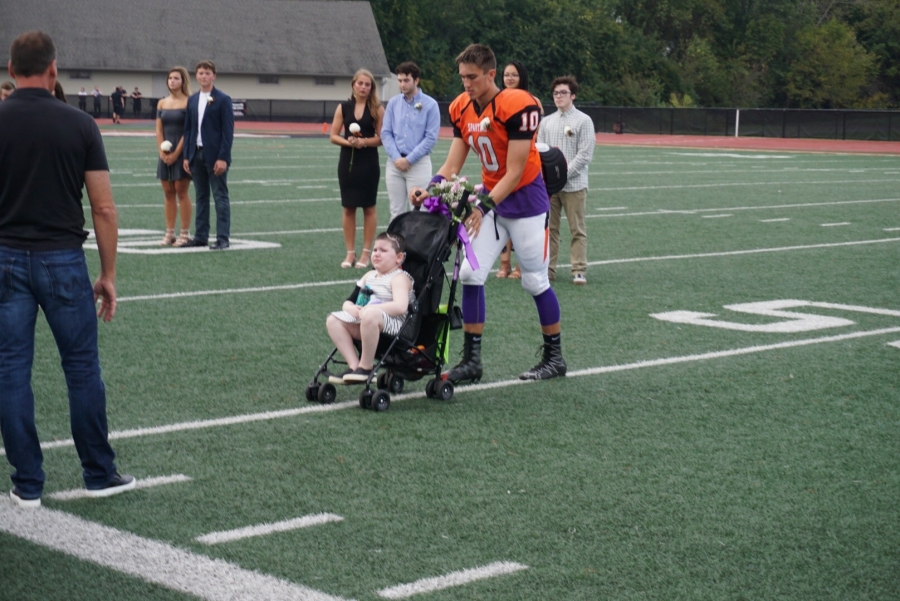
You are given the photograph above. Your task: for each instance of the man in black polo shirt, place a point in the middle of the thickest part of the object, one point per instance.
(48, 151)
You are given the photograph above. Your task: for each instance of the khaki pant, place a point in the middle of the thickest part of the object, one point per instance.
(573, 204)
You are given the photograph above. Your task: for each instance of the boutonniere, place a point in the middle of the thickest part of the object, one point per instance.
(485, 124)
(568, 131)
(210, 100)
(418, 106)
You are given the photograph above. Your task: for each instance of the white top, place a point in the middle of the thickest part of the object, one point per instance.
(201, 109)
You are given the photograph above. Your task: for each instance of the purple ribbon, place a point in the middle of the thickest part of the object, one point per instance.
(463, 236)
(434, 205)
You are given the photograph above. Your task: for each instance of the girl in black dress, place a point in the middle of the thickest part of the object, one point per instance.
(359, 168)
(170, 115)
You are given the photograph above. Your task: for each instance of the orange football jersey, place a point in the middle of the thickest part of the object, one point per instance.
(511, 115)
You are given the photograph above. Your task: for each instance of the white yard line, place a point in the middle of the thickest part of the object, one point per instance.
(152, 561)
(754, 208)
(272, 415)
(892, 229)
(428, 585)
(172, 295)
(775, 220)
(225, 536)
(81, 493)
(716, 216)
(737, 184)
(835, 224)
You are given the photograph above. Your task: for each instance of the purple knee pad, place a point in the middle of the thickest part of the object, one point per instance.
(473, 304)
(547, 307)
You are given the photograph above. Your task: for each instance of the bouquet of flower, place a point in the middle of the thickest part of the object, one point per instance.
(455, 199)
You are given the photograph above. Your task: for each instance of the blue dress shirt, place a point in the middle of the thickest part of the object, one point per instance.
(409, 131)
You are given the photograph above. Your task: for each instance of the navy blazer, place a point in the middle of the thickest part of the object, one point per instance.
(218, 128)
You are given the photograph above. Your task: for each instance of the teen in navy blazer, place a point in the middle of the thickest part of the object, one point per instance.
(207, 154)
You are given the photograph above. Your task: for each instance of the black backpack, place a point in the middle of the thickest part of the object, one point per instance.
(554, 168)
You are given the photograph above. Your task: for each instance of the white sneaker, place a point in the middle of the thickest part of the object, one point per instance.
(579, 279)
(22, 502)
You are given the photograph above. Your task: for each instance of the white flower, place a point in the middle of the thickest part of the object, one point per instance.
(166, 146)
(567, 130)
(418, 106)
(485, 124)
(354, 128)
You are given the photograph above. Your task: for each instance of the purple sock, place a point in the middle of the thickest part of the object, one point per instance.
(548, 307)
(473, 304)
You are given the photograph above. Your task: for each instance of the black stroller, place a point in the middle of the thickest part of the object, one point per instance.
(421, 347)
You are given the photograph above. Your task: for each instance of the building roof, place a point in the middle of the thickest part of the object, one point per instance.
(277, 37)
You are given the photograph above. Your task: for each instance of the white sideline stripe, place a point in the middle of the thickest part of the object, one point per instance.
(606, 262)
(835, 224)
(271, 415)
(235, 290)
(224, 536)
(715, 216)
(81, 493)
(894, 344)
(734, 184)
(149, 560)
(774, 220)
(801, 205)
(428, 585)
(743, 252)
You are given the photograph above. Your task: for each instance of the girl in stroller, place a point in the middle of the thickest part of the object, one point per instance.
(379, 304)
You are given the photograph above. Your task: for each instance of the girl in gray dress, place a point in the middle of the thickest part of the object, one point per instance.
(170, 114)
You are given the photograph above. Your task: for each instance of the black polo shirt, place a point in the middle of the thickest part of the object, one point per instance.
(46, 146)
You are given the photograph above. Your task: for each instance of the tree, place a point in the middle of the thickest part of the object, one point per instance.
(830, 68)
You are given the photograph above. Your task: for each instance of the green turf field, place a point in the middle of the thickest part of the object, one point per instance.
(693, 452)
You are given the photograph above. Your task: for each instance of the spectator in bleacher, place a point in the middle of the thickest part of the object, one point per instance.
(136, 97)
(97, 95)
(572, 132)
(412, 122)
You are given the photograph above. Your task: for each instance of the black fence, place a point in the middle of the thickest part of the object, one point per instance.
(761, 123)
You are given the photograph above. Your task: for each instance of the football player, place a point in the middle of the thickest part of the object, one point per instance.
(499, 126)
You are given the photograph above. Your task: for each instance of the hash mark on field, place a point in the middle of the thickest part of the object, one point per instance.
(774, 220)
(427, 585)
(894, 344)
(81, 493)
(835, 224)
(716, 216)
(224, 536)
(892, 229)
(152, 561)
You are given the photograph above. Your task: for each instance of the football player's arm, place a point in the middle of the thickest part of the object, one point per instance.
(516, 158)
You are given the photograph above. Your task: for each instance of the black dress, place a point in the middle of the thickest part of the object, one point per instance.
(359, 182)
(173, 129)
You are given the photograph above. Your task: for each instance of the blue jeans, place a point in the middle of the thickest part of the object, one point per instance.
(204, 179)
(57, 282)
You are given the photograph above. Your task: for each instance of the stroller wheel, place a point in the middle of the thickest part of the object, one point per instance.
(312, 392)
(327, 393)
(365, 398)
(391, 382)
(381, 400)
(444, 391)
(431, 388)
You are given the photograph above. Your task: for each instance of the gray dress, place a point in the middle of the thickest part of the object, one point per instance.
(173, 129)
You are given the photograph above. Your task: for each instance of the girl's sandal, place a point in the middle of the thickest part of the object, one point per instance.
(503, 272)
(183, 238)
(348, 262)
(516, 274)
(364, 259)
(168, 239)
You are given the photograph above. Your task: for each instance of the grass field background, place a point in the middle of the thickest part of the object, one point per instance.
(772, 474)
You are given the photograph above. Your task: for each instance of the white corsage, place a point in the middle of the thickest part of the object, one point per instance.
(418, 106)
(568, 131)
(166, 146)
(209, 100)
(485, 124)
